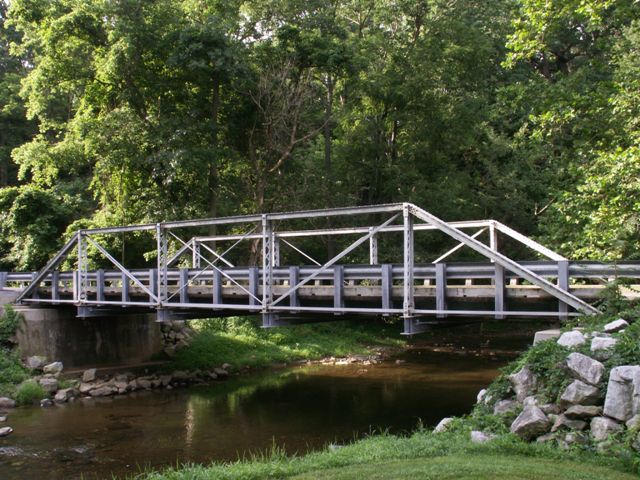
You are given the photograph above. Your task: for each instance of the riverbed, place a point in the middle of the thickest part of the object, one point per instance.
(297, 408)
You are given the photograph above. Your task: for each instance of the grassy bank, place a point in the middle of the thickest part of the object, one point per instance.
(241, 342)
(449, 455)
(12, 372)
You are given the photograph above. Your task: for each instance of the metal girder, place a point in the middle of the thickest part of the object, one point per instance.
(459, 246)
(528, 242)
(506, 262)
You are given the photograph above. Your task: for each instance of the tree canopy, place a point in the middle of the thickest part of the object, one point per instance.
(119, 111)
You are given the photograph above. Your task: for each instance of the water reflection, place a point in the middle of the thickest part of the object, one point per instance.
(299, 408)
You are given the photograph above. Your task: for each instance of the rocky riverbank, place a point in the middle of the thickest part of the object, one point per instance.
(576, 390)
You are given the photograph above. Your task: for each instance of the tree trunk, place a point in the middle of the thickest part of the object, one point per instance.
(213, 162)
(328, 167)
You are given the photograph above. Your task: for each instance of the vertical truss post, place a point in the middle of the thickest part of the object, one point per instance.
(3, 279)
(100, 285)
(55, 285)
(563, 283)
(161, 239)
(493, 236)
(195, 254)
(275, 249)
(498, 284)
(373, 248)
(441, 288)
(82, 275)
(408, 303)
(386, 272)
(267, 264)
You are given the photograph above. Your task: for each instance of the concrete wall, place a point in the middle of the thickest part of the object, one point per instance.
(57, 334)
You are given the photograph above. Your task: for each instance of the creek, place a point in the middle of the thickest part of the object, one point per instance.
(299, 409)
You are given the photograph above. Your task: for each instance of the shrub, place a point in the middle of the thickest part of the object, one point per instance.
(29, 392)
(8, 325)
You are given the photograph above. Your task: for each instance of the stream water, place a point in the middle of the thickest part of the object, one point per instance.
(297, 408)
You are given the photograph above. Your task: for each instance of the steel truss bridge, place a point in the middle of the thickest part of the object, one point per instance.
(194, 277)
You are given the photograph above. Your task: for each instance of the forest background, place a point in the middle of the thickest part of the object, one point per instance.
(125, 111)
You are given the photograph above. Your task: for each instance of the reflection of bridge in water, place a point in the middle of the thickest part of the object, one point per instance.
(198, 276)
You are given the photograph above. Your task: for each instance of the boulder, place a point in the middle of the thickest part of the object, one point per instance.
(143, 382)
(86, 387)
(6, 402)
(582, 411)
(481, 394)
(532, 422)
(602, 427)
(547, 437)
(227, 366)
(46, 403)
(572, 438)
(3, 418)
(602, 347)
(36, 362)
(623, 393)
(221, 372)
(585, 368)
(89, 375)
(54, 368)
(543, 335)
(165, 380)
(633, 423)
(50, 385)
(443, 425)
(102, 391)
(571, 339)
(64, 395)
(505, 406)
(580, 393)
(524, 383)
(548, 408)
(616, 326)
(4, 431)
(481, 437)
(564, 422)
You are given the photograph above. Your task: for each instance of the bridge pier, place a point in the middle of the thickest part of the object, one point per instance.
(58, 334)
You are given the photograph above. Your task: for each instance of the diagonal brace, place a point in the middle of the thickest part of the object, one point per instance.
(505, 261)
(122, 269)
(335, 259)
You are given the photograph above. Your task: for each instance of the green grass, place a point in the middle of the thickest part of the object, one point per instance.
(242, 342)
(29, 392)
(423, 455)
(478, 467)
(12, 372)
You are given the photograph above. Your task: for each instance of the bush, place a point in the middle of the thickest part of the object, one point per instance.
(8, 325)
(29, 392)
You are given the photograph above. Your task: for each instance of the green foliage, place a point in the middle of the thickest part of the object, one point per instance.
(9, 322)
(29, 392)
(423, 454)
(12, 372)
(240, 341)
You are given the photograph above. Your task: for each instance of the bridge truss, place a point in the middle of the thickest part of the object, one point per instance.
(194, 275)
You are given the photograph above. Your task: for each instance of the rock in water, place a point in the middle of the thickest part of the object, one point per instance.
(531, 423)
(623, 393)
(524, 383)
(580, 393)
(89, 375)
(53, 368)
(50, 385)
(4, 431)
(6, 402)
(571, 339)
(585, 368)
(602, 427)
